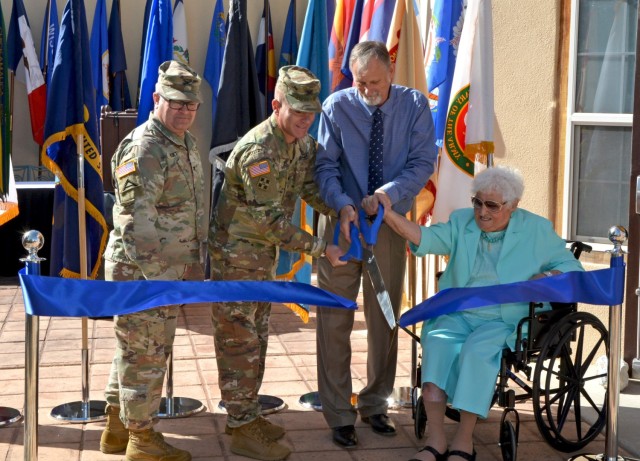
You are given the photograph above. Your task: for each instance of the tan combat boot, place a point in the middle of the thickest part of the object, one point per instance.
(249, 440)
(272, 431)
(149, 445)
(115, 436)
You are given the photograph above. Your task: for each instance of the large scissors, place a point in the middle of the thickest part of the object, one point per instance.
(369, 229)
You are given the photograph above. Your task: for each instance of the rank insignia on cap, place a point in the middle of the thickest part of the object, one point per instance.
(126, 169)
(258, 169)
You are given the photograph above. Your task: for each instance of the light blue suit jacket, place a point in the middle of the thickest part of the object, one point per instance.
(530, 247)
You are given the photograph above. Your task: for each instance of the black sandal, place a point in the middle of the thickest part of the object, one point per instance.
(439, 456)
(463, 455)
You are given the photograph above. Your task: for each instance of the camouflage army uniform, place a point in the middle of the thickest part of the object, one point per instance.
(263, 178)
(159, 231)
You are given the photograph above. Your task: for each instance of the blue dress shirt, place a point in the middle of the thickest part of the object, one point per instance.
(342, 160)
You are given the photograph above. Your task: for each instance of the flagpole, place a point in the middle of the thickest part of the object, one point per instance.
(85, 410)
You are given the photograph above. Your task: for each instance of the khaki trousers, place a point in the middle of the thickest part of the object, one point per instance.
(335, 325)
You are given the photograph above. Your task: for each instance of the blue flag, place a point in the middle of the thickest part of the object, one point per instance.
(313, 52)
(99, 45)
(215, 53)
(381, 21)
(443, 44)
(158, 49)
(289, 48)
(71, 115)
(119, 98)
(352, 40)
(49, 39)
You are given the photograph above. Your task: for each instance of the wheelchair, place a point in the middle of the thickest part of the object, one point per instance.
(555, 357)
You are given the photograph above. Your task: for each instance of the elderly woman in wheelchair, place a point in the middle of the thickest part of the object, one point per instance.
(492, 243)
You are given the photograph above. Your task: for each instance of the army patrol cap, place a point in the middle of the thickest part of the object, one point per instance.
(177, 81)
(300, 88)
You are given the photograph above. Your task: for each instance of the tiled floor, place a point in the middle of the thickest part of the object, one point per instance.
(291, 372)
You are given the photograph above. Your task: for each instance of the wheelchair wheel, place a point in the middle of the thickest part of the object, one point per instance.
(419, 419)
(561, 373)
(508, 441)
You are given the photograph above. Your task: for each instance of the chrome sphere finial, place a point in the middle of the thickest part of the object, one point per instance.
(618, 235)
(32, 241)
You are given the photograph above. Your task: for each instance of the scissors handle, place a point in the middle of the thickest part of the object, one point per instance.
(355, 249)
(370, 229)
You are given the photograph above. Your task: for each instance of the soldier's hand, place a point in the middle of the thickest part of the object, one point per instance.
(333, 253)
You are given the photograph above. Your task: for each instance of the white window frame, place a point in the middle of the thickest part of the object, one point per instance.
(574, 120)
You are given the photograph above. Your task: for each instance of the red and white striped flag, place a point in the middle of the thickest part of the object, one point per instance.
(23, 61)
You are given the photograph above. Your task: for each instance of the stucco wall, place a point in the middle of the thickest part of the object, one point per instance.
(525, 56)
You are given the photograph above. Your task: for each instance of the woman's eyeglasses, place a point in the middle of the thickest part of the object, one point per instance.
(490, 205)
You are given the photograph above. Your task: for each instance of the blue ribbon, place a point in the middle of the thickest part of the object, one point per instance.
(61, 297)
(600, 287)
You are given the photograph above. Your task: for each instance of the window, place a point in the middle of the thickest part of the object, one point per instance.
(599, 118)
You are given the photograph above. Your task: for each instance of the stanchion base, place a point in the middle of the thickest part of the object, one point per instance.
(9, 416)
(182, 407)
(74, 412)
(268, 403)
(400, 398)
(598, 457)
(312, 400)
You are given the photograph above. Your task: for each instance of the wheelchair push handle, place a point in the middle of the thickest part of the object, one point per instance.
(370, 228)
(355, 249)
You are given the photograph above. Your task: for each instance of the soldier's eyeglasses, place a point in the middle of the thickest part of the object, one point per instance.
(490, 205)
(178, 105)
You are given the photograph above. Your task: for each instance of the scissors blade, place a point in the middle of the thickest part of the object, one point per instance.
(378, 286)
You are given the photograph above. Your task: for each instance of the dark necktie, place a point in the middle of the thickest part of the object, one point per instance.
(376, 142)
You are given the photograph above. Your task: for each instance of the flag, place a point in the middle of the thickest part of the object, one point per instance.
(337, 42)
(313, 51)
(23, 61)
(145, 23)
(158, 49)
(266, 61)
(49, 39)
(405, 47)
(289, 47)
(8, 192)
(119, 98)
(239, 95)
(99, 45)
(377, 28)
(180, 36)
(352, 40)
(215, 53)
(442, 48)
(72, 102)
(469, 127)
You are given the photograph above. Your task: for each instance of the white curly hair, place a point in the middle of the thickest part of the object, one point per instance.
(504, 180)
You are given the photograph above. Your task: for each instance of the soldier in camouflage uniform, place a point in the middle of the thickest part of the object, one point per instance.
(159, 234)
(270, 167)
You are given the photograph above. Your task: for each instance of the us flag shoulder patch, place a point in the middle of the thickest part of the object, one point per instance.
(126, 169)
(258, 169)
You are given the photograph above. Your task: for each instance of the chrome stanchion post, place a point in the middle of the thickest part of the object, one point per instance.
(176, 407)
(32, 241)
(618, 235)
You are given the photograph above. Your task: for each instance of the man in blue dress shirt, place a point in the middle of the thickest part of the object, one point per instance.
(346, 135)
